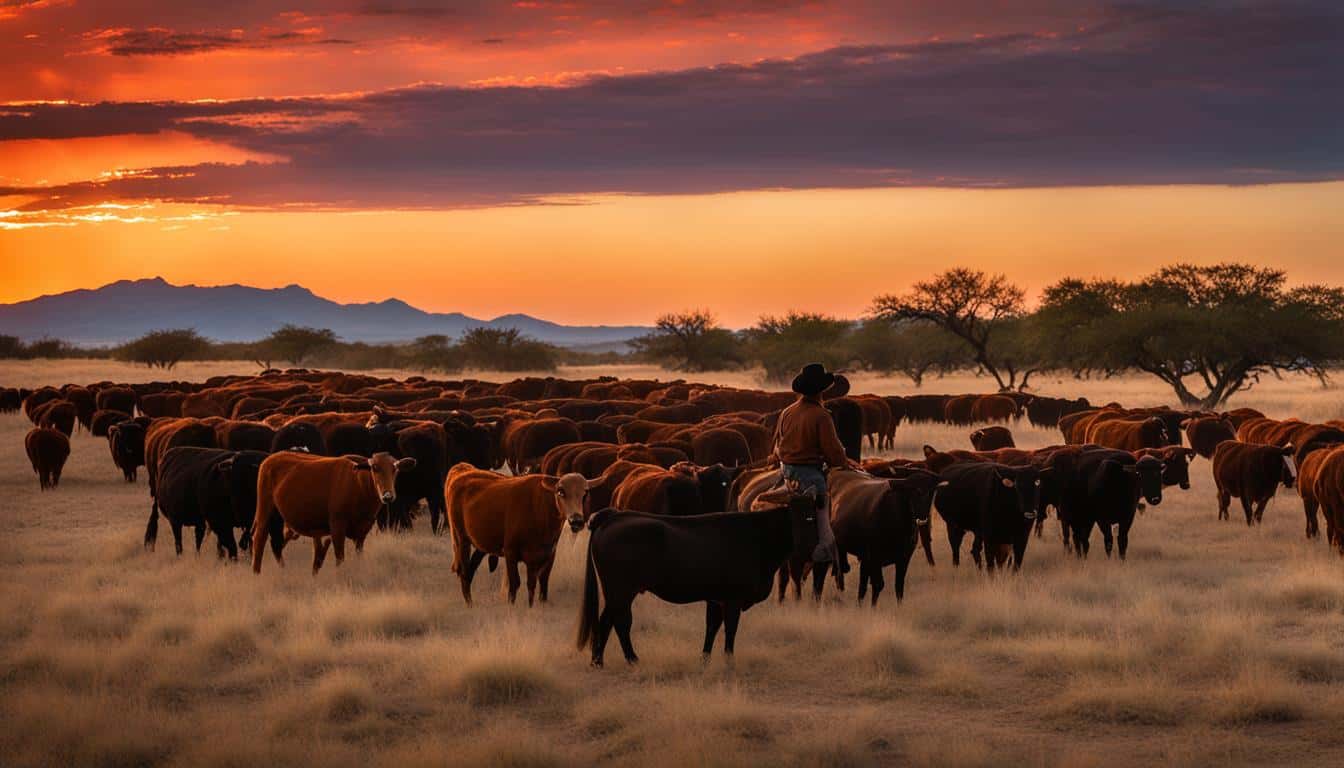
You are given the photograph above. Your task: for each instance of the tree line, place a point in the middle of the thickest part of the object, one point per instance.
(1208, 332)
(477, 348)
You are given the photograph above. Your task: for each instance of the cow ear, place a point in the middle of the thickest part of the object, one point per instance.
(929, 451)
(359, 462)
(405, 464)
(549, 482)
(596, 482)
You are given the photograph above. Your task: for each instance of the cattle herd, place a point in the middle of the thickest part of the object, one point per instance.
(672, 479)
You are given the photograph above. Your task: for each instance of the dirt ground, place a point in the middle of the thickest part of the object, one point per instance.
(1215, 644)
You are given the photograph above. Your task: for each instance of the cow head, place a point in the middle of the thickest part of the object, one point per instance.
(384, 468)
(918, 489)
(571, 496)
(716, 482)
(1025, 483)
(1177, 471)
(1289, 466)
(1147, 472)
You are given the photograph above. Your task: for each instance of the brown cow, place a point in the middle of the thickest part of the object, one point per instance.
(1206, 432)
(61, 415)
(992, 438)
(1309, 473)
(329, 499)
(517, 518)
(1329, 493)
(1129, 435)
(1252, 473)
(720, 445)
(47, 451)
(990, 408)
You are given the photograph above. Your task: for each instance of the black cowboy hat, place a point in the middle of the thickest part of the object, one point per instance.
(813, 379)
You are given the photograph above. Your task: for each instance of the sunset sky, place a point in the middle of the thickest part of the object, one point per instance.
(600, 161)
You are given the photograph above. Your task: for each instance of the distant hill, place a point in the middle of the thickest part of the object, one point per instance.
(126, 309)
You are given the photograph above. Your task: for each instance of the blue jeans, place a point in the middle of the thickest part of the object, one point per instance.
(809, 476)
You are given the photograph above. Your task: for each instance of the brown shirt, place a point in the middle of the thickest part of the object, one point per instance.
(806, 435)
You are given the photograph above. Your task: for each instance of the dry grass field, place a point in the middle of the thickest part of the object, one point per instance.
(1214, 644)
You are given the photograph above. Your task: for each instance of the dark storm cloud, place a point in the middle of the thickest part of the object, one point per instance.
(1205, 93)
(166, 42)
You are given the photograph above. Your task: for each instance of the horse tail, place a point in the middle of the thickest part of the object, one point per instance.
(588, 610)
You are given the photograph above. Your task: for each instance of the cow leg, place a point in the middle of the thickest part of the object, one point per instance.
(604, 622)
(511, 571)
(623, 621)
(531, 584)
(818, 579)
(1260, 510)
(1309, 507)
(470, 562)
(225, 542)
(782, 577)
(864, 577)
(1082, 539)
(544, 578)
(1065, 531)
(338, 543)
(977, 544)
(713, 620)
(200, 537)
(1122, 538)
(177, 536)
(731, 614)
(1248, 509)
(1107, 538)
(320, 545)
(796, 570)
(1224, 502)
(954, 538)
(880, 582)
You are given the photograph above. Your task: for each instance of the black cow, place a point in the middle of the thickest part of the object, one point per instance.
(424, 442)
(728, 561)
(299, 435)
(996, 503)
(848, 417)
(126, 440)
(878, 521)
(716, 483)
(1106, 491)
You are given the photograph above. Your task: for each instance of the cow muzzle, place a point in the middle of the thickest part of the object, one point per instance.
(389, 497)
(576, 524)
(1154, 500)
(1185, 486)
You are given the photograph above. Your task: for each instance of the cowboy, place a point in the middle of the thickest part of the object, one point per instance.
(806, 445)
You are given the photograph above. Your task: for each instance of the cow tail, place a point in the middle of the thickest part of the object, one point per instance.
(589, 608)
(152, 528)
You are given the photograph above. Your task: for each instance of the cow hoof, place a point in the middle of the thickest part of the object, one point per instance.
(632, 660)
(595, 664)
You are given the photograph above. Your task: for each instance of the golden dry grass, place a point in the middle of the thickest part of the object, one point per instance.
(1214, 644)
